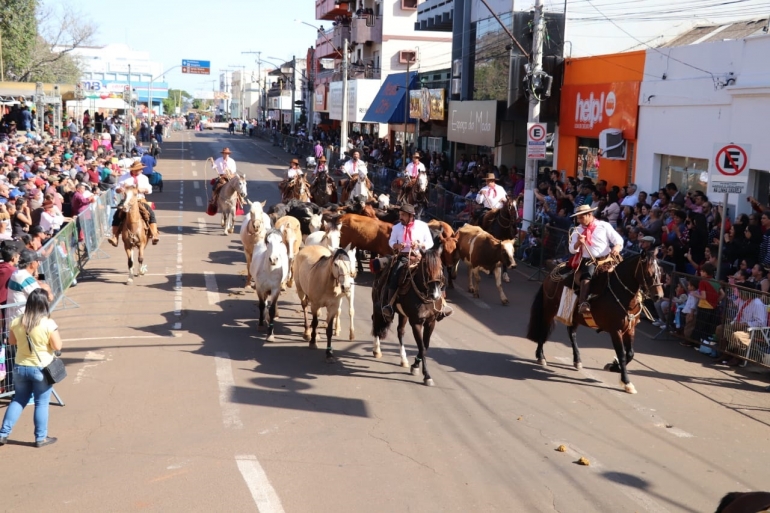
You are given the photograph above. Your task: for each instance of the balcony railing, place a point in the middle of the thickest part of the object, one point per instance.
(330, 9)
(329, 45)
(361, 32)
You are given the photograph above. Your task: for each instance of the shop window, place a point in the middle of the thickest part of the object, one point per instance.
(762, 191)
(588, 159)
(434, 144)
(689, 174)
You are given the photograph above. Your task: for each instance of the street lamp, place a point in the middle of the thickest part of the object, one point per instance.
(344, 55)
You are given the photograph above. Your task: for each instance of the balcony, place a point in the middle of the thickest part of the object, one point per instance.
(435, 15)
(361, 32)
(330, 9)
(329, 44)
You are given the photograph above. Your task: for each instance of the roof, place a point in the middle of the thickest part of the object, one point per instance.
(720, 32)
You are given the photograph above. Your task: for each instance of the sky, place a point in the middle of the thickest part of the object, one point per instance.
(172, 30)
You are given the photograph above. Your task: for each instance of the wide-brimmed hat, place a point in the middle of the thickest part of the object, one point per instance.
(47, 204)
(322, 159)
(226, 150)
(294, 161)
(583, 209)
(137, 166)
(406, 207)
(490, 176)
(416, 154)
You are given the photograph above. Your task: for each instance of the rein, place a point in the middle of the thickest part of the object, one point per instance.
(423, 297)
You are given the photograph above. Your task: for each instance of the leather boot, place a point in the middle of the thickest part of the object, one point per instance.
(154, 232)
(584, 306)
(388, 311)
(114, 239)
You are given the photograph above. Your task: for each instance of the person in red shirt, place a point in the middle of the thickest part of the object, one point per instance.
(93, 174)
(10, 255)
(709, 294)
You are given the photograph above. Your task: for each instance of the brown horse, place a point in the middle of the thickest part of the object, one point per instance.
(353, 188)
(323, 190)
(135, 233)
(414, 192)
(296, 188)
(502, 224)
(444, 236)
(616, 308)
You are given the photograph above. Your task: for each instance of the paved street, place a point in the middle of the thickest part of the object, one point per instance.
(174, 401)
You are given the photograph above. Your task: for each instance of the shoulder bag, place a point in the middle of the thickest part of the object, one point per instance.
(54, 372)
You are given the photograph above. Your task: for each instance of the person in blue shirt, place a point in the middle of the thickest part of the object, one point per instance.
(26, 119)
(149, 163)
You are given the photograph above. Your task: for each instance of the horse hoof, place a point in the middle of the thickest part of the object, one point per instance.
(331, 359)
(270, 338)
(312, 345)
(414, 371)
(505, 302)
(404, 364)
(352, 335)
(377, 354)
(429, 382)
(506, 279)
(579, 366)
(130, 282)
(630, 388)
(542, 362)
(306, 336)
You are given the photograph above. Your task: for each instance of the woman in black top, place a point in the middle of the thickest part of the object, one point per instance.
(21, 219)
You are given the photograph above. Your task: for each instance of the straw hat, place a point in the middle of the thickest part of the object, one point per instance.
(294, 161)
(583, 209)
(490, 176)
(137, 166)
(226, 151)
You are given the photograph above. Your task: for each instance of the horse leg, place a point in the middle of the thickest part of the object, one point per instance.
(351, 313)
(331, 313)
(271, 306)
(400, 331)
(620, 363)
(628, 346)
(306, 333)
(248, 270)
(470, 280)
(540, 355)
(418, 360)
(576, 361)
(498, 282)
(426, 334)
(130, 257)
(313, 327)
(261, 310)
(506, 278)
(140, 258)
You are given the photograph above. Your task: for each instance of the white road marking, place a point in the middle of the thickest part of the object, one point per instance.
(231, 417)
(647, 413)
(91, 359)
(467, 295)
(196, 185)
(194, 173)
(262, 491)
(211, 287)
(199, 201)
(201, 224)
(439, 343)
(177, 325)
(112, 338)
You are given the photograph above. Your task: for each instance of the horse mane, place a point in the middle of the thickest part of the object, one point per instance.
(340, 253)
(273, 231)
(432, 262)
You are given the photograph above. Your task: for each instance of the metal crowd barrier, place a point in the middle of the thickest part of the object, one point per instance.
(63, 260)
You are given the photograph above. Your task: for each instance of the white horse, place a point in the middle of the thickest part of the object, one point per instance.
(422, 182)
(270, 267)
(383, 201)
(330, 238)
(361, 189)
(227, 202)
(253, 230)
(322, 279)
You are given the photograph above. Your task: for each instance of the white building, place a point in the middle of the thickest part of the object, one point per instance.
(696, 96)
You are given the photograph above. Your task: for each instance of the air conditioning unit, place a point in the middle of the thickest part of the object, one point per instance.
(457, 67)
(612, 144)
(407, 56)
(456, 86)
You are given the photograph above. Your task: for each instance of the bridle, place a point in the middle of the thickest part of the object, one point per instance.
(513, 217)
(423, 275)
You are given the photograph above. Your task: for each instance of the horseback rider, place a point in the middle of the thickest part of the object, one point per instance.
(321, 172)
(490, 197)
(595, 240)
(414, 168)
(293, 173)
(134, 177)
(352, 169)
(225, 168)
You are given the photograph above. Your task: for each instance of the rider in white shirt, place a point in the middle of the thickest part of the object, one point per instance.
(225, 168)
(354, 166)
(134, 178)
(294, 169)
(415, 167)
(491, 196)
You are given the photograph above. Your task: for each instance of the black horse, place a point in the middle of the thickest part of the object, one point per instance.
(419, 303)
(323, 190)
(616, 308)
(502, 223)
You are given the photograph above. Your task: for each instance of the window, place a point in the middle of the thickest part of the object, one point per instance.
(587, 160)
(687, 173)
(407, 56)
(435, 144)
(409, 5)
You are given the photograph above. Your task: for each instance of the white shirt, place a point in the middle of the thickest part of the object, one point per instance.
(294, 172)
(221, 166)
(755, 313)
(51, 222)
(492, 196)
(353, 168)
(319, 168)
(420, 236)
(630, 201)
(140, 181)
(412, 170)
(603, 239)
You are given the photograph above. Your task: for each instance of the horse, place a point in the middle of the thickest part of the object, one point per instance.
(359, 185)
(297, 188)
(253, 230)
(227, 202)
(292, 237)
(417, 305)
(134, 233)
(270, 267)
(323, 190)
(366, 234)
(444, 236)
(616, 309)
(329, 238)
(322, 279)
(416, 193)
(502, 224)
(744, 502)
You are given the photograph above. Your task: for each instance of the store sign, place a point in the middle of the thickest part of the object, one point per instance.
(335, 100)
(426, 104)
(319, 98)
(729, 168)
(586, 110)
(473, 122)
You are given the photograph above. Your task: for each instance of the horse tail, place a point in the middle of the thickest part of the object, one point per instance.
(727, 500)
(538, 330)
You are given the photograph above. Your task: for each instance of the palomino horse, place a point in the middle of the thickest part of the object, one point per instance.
(323, 190)
(420, 304)
(292, 238)
(502, 224)
(253, 230)
(270, 267)
(297, 189)
(616, 308)
(322, 279)
(134, 232)
(227, 202)
(415, 193)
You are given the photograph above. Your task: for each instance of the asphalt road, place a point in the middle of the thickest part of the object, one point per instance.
(175, 402)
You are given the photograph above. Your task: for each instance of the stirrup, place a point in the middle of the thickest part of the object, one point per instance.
(388, 312)
(584, 307)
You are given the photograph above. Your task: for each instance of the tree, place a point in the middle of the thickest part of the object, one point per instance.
(175, 99)
(18, 29)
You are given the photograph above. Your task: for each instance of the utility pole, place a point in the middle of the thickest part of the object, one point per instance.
(530, 174)
(128, 129)
(404, 159)
(293, 91)
(344, 124)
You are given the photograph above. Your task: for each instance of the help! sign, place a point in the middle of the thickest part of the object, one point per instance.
(536, 133)
(586, 110)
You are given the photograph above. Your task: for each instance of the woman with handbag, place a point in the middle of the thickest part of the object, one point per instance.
(36, 339)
